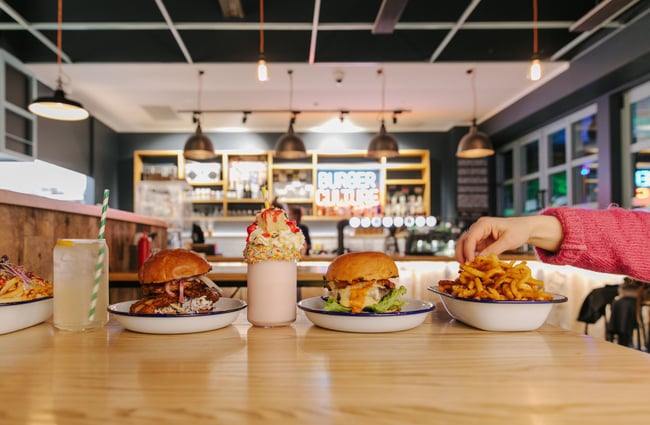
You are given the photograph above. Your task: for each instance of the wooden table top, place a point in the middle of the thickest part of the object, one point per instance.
(441, 372)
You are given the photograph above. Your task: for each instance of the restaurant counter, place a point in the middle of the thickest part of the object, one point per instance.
(32, 224)
(441, 372)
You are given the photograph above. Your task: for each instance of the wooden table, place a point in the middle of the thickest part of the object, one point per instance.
(439, 373)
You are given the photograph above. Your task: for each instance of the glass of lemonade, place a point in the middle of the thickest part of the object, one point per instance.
(271, 293)
(75, 264)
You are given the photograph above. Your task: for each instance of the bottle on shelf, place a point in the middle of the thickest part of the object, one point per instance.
(144, 249)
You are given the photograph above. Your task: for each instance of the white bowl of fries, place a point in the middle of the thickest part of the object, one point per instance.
(498, 315)
(496, 295)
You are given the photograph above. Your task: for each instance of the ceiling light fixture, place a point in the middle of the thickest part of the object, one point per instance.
(57, 106)
(198, 146)
(290, 145)
(535, 72)
(262, 68)
(475, 144)
(382, 144)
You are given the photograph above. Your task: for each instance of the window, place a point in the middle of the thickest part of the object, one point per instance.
(532, 198)
(585, 183)
(583, 134)
(640, 120)
(508, 200)
(530, 158)
(507, 165)
(641, 178)
(566, 172)
(557, 148)
(558, 189)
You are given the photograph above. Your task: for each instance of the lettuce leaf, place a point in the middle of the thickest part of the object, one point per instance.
(332, 305)
(391, 302)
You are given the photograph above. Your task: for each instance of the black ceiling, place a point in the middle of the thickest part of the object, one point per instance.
(136, 31)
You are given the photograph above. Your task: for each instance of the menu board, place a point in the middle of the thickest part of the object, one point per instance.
(472, 188)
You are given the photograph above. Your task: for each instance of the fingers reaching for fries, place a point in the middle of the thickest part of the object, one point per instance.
(489, 278)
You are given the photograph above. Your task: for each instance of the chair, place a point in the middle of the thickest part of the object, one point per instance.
(642, 301)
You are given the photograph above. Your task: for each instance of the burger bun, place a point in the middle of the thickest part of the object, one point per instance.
(172, 264)
(361, 266)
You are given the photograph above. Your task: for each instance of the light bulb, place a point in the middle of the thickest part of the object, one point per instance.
(262, 70)
(535, 70)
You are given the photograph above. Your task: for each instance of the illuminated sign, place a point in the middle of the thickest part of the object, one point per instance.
(642, 178)
(347, 188)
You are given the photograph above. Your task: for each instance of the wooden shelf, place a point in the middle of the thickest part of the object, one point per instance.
(411, 168)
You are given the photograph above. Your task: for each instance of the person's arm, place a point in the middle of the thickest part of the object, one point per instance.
(614, 240)
(494, 235)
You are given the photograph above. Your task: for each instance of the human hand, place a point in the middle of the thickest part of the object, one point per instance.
(494, 235)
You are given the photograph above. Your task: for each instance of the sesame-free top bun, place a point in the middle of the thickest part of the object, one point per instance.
(357, 266)
(172, 264)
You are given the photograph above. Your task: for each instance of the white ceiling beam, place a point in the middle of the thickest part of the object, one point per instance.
(24, 25)
(314, 32)
(174, 31)
(443, 45)
(284, 26)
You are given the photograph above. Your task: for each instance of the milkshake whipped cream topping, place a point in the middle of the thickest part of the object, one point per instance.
(273, 237)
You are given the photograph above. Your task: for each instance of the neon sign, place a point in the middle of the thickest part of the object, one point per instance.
(347, 188)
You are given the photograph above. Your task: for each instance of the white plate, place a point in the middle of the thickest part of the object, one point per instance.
(23, 314)
(413, 314)
(225, 312)
(491, 315)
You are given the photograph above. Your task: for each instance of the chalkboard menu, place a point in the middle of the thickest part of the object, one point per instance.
(472, 188)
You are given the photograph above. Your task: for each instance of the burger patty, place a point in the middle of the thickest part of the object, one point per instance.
(340, 284)
(189, 287)
(151, 304)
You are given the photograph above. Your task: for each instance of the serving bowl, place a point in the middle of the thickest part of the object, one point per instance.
(412, 314)
(23, 314)
(225, 312)
(503, 316)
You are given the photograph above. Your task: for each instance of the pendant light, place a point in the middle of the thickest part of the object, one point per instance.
(383, 144)
(262, 69)
(57, 106)
(535, 72)
(290, 145)
(198, 145)
(475, 144)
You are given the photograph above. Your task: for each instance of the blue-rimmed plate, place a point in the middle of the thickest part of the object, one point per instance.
(23, 314)
(491, 315)
(412, 314)
(224, 313)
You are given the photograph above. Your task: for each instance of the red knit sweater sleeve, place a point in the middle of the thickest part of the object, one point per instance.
(614, 240)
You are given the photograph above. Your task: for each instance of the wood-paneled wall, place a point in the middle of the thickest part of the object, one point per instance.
(30, 226)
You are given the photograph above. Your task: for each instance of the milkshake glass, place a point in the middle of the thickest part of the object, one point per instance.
(272, 250)
(271, 293)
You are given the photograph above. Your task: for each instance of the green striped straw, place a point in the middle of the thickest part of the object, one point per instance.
(100, 257)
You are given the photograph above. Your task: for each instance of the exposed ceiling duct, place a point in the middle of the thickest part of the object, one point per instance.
(388, 16)
(231, 8)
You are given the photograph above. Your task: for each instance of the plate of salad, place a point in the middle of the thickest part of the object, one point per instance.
(411, 314)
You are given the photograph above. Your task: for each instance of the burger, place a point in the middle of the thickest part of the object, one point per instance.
(174, 281)
(360, 281)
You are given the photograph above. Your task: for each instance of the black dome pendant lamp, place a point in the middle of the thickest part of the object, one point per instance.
(57, 106)
(475, 144)
(290, 145)
(198, 146)
(382, 145)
